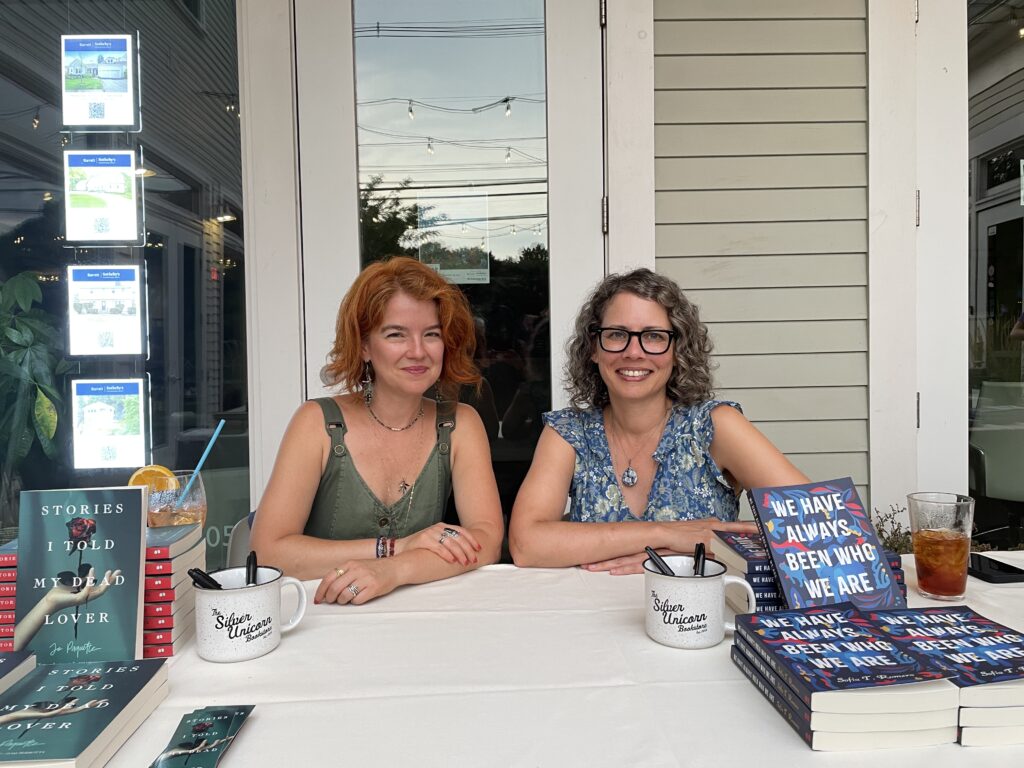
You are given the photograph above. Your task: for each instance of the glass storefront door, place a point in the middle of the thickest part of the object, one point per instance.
(444, 142)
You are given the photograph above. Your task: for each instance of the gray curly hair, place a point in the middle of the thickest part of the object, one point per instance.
(690, 382)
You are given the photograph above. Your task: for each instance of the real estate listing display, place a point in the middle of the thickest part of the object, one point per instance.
(99, 82)
(104, 310)
(101, 201)
(109, 423)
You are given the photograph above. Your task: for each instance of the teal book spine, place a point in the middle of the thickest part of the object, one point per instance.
(80, 575)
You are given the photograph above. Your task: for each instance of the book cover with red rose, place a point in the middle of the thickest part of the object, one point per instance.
(80, 574)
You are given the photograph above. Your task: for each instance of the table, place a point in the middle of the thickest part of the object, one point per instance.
(511, 667)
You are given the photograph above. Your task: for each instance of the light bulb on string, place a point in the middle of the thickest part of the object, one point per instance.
(412, 115)
(508, 155)
(508, 107)
(64, 141)
(35, 120)
(514, 230)
(536, 229)
(430, 146)
(463, 229)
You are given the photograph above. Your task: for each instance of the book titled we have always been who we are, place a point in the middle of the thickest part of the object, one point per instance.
(80, 574)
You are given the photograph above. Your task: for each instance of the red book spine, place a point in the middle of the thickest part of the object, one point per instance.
(6, 630)
(157, 609)
(157, 638)
(6, 603)
(156, 651)
(6, 617)
(6, 646)
(157, 622)
(159, 567)
(8, 574)
(8, 559)
(158, 582)
(8, 588)
(157, 553)
(158, 595)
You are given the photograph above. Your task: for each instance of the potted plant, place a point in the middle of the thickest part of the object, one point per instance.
(31, 357)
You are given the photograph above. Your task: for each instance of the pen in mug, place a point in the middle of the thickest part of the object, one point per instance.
(250, 569)
(659, 563)
(202, 579)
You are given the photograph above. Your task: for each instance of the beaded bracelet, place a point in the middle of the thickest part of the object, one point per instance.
(391, 547)
(382, 550)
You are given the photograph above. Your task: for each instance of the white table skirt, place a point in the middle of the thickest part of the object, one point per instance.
(509, 667)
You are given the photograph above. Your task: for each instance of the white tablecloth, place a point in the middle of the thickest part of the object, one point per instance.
(510, 667)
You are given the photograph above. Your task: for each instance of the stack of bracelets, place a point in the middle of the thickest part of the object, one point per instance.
(385, 546)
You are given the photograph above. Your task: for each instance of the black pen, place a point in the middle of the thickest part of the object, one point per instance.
(698, 559)
(203, 580)
(250, 569)
(660, 564)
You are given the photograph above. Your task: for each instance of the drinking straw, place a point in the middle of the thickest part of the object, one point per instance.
(202, 460)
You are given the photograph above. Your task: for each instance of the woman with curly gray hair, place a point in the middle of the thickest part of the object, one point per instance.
(645, 447)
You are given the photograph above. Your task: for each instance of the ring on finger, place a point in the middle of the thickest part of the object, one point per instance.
(353, 589)
(339, 571)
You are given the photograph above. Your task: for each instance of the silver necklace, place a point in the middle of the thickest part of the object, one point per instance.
(629, 476)
(388, 426)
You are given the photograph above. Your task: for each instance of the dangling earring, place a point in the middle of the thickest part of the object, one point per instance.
(367, 384)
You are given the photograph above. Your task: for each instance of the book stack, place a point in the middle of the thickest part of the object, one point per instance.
(168, 618)
(986, 658)
(79, 714)
(8, 591)
(842, 683)
(14, 666)
(747, 557)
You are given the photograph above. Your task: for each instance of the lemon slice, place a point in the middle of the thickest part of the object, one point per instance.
(155, 476)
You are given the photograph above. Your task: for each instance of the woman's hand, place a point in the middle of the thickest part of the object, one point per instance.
(62, 596)
(452, 543)
(620, 566)
(357, 582)
(687, 532)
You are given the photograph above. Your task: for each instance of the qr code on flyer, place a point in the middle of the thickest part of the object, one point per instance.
(97, 110)
(101, 225)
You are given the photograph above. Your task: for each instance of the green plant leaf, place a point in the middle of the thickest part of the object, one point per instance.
(8, 368)
(16, 336)
(26, 332)
(26, 290)
(44, 416)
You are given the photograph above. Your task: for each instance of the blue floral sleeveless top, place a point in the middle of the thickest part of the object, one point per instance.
(687, 483)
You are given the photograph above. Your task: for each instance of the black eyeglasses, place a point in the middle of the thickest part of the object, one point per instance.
(653, 341)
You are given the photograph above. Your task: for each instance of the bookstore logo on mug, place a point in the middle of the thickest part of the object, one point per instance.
(240, 622)
(686, 610)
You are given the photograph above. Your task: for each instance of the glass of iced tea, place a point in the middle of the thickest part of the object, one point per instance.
(168, 505)
(940, 524)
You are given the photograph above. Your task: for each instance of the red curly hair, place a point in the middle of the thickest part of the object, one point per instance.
(362, 310)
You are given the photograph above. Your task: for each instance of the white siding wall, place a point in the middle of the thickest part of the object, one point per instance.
(761, 210)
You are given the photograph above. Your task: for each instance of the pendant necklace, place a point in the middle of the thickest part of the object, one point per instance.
(629, 476)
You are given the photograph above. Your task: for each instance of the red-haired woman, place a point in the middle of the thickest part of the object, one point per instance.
(361, 479)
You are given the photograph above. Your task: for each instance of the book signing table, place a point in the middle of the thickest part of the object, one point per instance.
(512, 667)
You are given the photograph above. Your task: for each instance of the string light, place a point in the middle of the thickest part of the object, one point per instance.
(64, 140)
(508, 107)
(412, 115)
(514, 230)
(430, 146)
(508, 154)
(47, 197)
(35, 120)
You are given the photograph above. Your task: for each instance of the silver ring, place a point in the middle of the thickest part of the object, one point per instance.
(353, 589)
(450, 533)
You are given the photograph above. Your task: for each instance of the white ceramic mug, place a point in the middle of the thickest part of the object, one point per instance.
(688, 611)
(240, 622)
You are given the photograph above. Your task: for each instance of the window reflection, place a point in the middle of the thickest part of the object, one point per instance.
(451, 125)
(996, 275)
